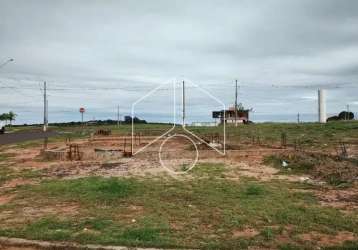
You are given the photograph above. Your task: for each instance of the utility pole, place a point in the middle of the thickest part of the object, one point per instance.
(45, 108)
(46, 111)
(298, 117)
(183, 104)
(235, 102)
(118, 116)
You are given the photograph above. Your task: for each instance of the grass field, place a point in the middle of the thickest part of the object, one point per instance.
(309, 134)
(205, 212)
(206, 209)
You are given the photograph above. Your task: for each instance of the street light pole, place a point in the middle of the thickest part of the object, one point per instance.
(6, 62)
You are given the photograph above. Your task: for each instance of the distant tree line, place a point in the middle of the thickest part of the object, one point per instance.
(8, 117)
(344, 115)
(127, 120)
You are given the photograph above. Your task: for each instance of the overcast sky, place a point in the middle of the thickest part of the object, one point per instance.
(100, 54)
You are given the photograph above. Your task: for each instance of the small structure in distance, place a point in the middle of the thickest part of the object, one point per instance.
(203, 124)
(229, 116)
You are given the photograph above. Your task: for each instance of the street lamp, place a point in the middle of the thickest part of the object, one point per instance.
(6, 62)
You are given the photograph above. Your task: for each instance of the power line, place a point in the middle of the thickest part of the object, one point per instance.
(18, 90)
(218, 85)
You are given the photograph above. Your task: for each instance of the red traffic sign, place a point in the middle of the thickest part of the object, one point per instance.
(82, 110)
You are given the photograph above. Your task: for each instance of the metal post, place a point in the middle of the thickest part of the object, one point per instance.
(235, 102)
(118, 116)
(46, 112)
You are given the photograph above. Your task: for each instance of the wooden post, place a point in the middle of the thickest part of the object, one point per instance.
(283, 139)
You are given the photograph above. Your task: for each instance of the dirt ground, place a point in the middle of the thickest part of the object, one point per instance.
(104, 157)
(175, 153)
(178, 152)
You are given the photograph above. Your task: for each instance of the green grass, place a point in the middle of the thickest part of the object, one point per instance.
(7, 174)
(28, 174)
(290, 247)
(209, 170)
(254, 190)
(308, 135)
(268, 233)
(104, 231)
(173, 213)
(345, 246)
(87, 190)
(5, 171)
(296, 164)
(5, 157)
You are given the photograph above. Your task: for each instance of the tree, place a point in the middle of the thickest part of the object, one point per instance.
(128, 120)
(8, 117)
(344, 115)
(333, 118)
(11, 116)
(4, 117)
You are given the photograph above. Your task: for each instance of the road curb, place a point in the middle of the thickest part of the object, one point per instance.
(37, 244)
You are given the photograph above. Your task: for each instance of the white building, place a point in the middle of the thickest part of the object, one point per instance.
(203, 124)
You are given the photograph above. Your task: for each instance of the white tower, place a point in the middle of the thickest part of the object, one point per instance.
(322, 106)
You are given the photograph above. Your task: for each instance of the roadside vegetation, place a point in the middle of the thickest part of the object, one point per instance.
(333, 170)
(306, 135)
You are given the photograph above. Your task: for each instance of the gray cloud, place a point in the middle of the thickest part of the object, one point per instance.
(102, 53)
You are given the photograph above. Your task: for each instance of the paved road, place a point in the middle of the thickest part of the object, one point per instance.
(24, 136)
